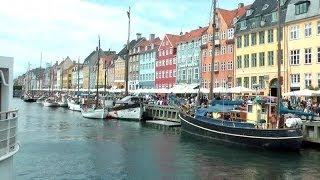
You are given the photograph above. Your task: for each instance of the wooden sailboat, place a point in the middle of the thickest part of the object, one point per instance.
(50, 101)
(95, 112)
(130, 107)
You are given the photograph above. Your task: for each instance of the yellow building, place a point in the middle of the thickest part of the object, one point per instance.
(85, 71)
(119, 72)
(67, 78)
(303, 40)
(256, 48)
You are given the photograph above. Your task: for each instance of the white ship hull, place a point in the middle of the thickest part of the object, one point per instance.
(63, 104)
(50, 104)
(94, 113)
(130, 113)
(74, 107)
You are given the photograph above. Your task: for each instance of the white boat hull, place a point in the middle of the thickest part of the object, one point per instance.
(94, 113)
(63, 104)
(50, 104)
(74, 106)
(130, 113)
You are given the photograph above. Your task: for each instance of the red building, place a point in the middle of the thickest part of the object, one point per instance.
(166, 62)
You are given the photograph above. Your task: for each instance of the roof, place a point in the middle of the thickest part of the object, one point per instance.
(174, 39)
(108, 59)
(261, 12)
(313, 10)
(229, 15)
(147, 43)
(93, 57)
(192, 35)
(132, 44)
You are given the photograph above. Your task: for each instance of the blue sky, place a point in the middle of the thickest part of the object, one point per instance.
(64, 28)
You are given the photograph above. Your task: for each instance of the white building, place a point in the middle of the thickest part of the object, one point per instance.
(8, 120)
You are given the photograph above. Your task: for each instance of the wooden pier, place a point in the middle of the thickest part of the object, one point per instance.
(166, 113)
(311, 131)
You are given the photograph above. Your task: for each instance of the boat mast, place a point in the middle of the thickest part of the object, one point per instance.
(97, 92)
(214, 4)
(128, 50)
(40, 78)
(279, 56)
(78, 79)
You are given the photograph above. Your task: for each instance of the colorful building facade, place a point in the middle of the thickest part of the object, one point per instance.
(224, 49)
(302, 30)
(188, 57)
(134, 53)
(256, 47)
(147, 59)
(165, 70)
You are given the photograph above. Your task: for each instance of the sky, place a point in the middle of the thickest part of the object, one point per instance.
(60, 28)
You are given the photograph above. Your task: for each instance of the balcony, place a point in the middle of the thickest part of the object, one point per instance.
(8, 133)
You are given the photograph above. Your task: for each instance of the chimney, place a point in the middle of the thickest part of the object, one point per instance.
(151, 37)
(240, 5)
(138, 35)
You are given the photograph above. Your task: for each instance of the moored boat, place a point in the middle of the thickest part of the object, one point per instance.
(242, 133)
(92, 113)
(50, 103)
(129, 108)
(252, 124)
(74, 106)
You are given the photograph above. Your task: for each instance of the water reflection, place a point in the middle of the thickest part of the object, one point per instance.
(60, 144)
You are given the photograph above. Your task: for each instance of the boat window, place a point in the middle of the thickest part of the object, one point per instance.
(250, 108)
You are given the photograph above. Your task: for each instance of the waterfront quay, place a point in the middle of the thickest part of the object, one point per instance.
(60, 144)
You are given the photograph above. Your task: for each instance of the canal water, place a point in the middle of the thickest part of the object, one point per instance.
(60, 144)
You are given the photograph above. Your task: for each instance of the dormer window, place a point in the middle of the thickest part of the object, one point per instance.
(234, 20)
(301, 7)
(282, 2)
(249, 12)
(265, 7)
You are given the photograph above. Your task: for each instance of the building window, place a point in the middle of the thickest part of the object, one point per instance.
(307, 80)
(239, 62)
(223, 50)
(253, 39)
(239, 42)
(274, 17)
(318, 54)
(223, 66)
(261, 59)
(295, 79)
(196, 73)
(301, 8)
(295, 57)
(307, 30)
(230, 49)
(261, 37)
(230, 33)
(270, 58)
(239, 81)
(294, 32)
(318, 27)
(307, 56)
(253, 81)
(184, 74)
(261, 82)
(246, 40)
(223, 35)
(230, 66)
(246, 82)
(270, 36)
(246, 61)
(254, 60)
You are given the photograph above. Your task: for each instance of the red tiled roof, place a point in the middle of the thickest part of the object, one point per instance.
(174, 39)
(145, 42)
(196, 33)
(229, 15)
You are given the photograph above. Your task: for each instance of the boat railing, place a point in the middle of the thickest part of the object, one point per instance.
(8, 132)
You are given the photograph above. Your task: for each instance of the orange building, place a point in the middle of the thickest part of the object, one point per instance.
(224, 48)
